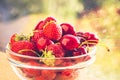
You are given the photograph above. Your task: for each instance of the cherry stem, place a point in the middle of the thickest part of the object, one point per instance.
(92, 40)
(87, 42)
(101, 44)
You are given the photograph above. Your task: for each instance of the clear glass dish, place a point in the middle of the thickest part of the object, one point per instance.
(35, 68)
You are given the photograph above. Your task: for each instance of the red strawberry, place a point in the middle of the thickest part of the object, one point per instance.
(24, 48)
(69, 42)
(36, 35)
(48, 74)
(17, 37)
(67, 72)
(43, 42)
(67, 63)
(12, 40)
(56, 49)
(48, 19)
(39, 78)
(52, 31)
(41, 24)
(30, 72)
(67, 29)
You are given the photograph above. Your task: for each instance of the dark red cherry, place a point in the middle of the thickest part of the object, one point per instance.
(87, 38)
(69, 42)
(80, 34)
(91, 38)
(67, 28)
(79, 51)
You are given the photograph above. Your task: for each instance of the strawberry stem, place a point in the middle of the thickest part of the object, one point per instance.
(48, 23)
(25, 50)
(48, 58)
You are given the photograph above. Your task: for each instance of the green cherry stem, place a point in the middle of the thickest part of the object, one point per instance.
(87, 42)
(103, 45)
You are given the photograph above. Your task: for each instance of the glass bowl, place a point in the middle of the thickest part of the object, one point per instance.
(37, 68)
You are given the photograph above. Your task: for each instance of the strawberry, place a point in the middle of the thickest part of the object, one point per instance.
(67, 63)
(52, 31)
(24, 48)
(30, 72)
(43, 42)
(12, 40)
(17, 37)
(41, 24)
(67, 28)
(56, 49)
(39, 78)
(48, 74)
(36, 35)
(48, 19)
(67, 72)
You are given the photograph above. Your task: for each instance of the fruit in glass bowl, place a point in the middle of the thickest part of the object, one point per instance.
(53, 52)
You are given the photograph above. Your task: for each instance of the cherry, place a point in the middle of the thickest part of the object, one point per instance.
(69, 42)
(67, 28)
(79, 51)
(87, 38)
(80, 34)
(68, 53)
(36, 35)
(91, 38)
(81, 39)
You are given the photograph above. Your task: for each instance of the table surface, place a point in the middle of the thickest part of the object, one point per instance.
(6, 72)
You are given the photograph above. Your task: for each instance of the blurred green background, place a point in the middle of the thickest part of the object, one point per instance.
(99, 16)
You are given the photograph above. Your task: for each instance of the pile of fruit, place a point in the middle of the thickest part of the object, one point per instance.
(50, 40)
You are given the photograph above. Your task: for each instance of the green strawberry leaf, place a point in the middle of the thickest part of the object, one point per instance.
(20, 37)
(48, 58)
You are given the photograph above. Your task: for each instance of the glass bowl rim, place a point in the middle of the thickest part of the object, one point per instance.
(33, 57)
